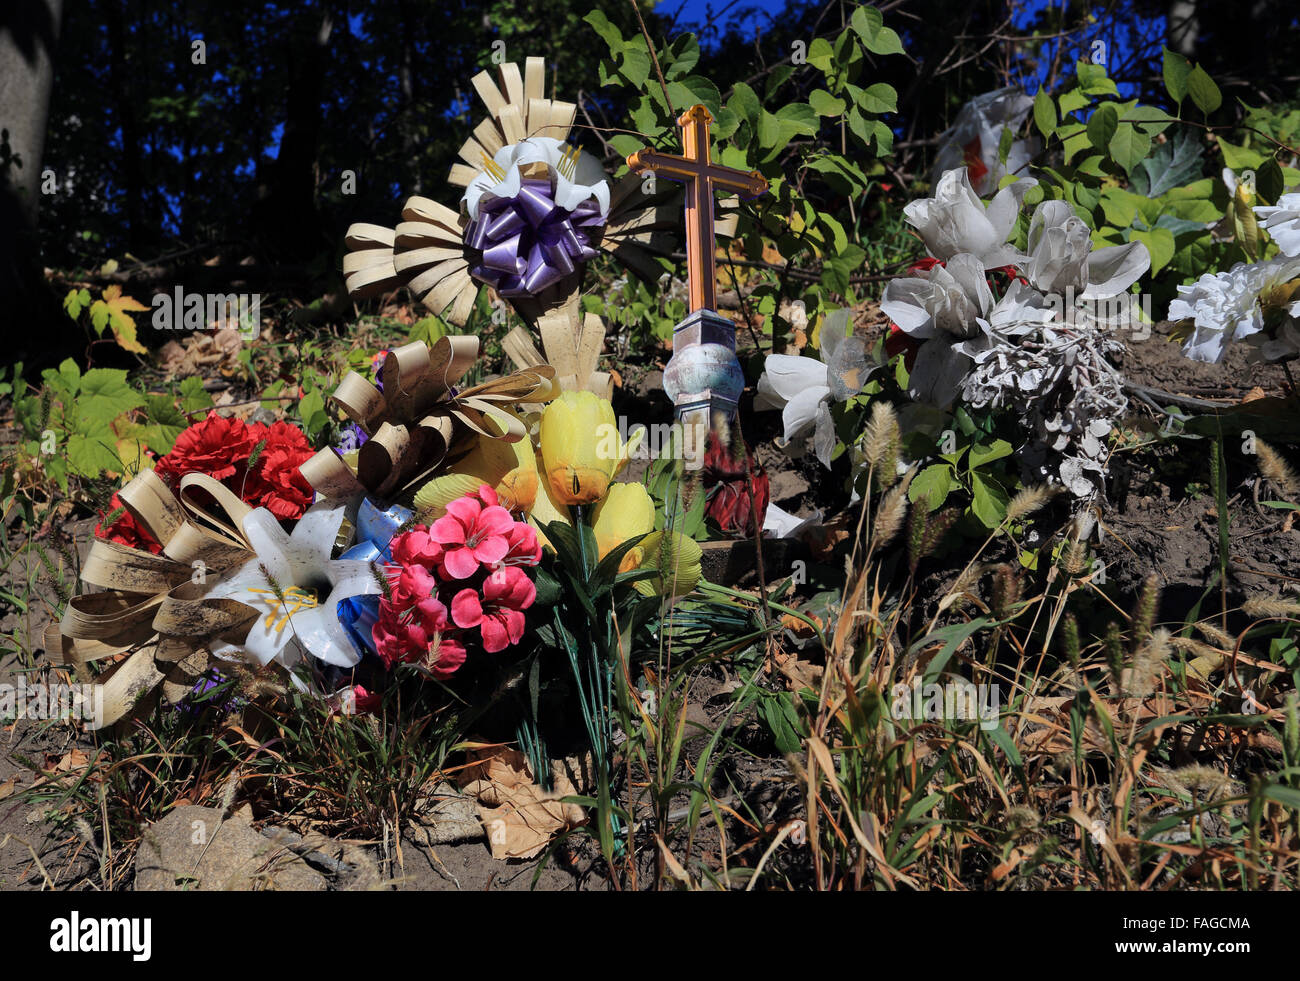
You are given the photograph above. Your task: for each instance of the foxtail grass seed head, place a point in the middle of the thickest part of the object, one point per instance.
(1203, 782)
(255, 455)
(937, 528)
(381, 580)
(228, 794)
(1075, 558)
(1029, 500)
(272, 582)
(735, 444)
(918, 519)
(1022, 821)
(1114, 647)
(1264, 607)
(1007, 589)
(1214, 635)
(1276, 470)
(1144, 616)
(1070, 638)
(964, 583)
(1291, 730)
(880, 444)
(1141, 678)
(1193, 646)
(889, 516)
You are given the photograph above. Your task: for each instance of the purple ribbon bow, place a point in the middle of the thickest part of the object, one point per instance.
(528, 242)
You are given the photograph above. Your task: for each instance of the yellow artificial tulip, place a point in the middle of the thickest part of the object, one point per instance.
(581, 453)
(626, 512)
(545, 510)
(508, 468)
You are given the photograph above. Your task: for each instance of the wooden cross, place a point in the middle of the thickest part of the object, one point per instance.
(701, 177)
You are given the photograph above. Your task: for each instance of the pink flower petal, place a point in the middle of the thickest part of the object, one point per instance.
(459, 563)
(514, 621)
(450, 531)
(487, 495)
(465, 510)
(466, 610)
(493, 521)
(495, 635)
(492, 549)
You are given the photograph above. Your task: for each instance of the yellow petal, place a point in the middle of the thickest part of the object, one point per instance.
(626, 512)
(508, 468)
(580, 447)
(545, 510)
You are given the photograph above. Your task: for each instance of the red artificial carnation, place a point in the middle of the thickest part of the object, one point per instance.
(728, 480)
(126, 530)
(275, 481)
(216, 447)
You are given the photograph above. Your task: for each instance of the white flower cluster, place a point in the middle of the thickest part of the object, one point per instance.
(1043, 348)
(1258, 303)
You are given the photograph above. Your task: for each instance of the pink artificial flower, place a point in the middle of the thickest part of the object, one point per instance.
(472, 533)
(416, 547)
(413, 625)
(525, 549)
(499, 612)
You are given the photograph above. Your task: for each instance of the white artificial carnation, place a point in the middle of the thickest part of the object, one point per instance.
(1282, 222)
(956, 221)
(1227, 307)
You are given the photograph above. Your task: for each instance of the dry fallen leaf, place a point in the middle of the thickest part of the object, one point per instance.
(8, 787)
(218, 350)
(519, 817)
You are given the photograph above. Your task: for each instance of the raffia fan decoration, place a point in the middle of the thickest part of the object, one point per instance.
(412, 423)
(535, 209)
(154, 608)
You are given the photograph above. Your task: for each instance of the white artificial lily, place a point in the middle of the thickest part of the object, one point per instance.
(955, 220)
(803, 387)
(296, 587)
(1227, 307)
(1282, 222)
(940, 310)
(975, 137)
(1061, 258)
(575, 181)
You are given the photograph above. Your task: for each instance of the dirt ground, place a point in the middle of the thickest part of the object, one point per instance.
(1157, 517)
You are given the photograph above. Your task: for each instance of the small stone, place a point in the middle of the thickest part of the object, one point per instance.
(193, 850)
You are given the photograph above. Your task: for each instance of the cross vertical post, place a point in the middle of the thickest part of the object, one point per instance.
(703, 378)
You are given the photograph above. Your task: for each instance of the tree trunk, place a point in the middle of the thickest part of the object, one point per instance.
(29, 31)
(1182, 27)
